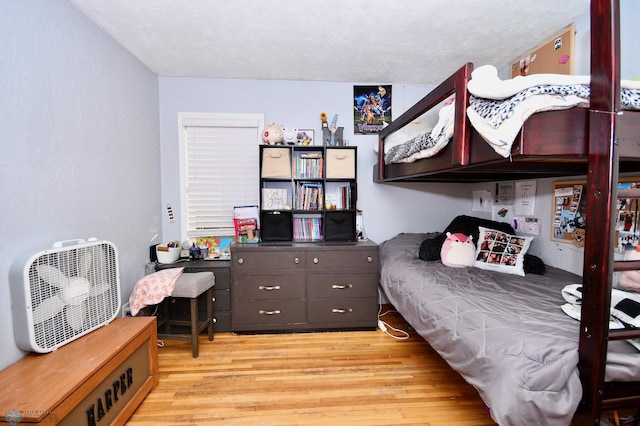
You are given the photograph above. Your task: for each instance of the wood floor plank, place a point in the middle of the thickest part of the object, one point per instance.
(348, 378)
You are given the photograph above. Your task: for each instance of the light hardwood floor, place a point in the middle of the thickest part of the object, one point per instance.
(346, 378)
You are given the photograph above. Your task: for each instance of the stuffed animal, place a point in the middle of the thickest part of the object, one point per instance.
(458, 251)
(273, 134)
(290, 136)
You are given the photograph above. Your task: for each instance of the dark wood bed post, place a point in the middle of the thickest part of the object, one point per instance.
(602, 178)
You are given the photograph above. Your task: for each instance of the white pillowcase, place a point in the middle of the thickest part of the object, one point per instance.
(500, 251)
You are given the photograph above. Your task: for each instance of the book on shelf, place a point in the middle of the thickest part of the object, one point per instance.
(274, 198)
(340, 199)
(309, 196)
(307, 228)
(308, 165)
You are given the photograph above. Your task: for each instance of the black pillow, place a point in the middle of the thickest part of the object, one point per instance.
(430, 248)
(467, 225)
(533, 265)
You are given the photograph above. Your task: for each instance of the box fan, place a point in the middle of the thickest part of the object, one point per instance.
(63, 293)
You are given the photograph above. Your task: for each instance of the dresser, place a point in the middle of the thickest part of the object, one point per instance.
(288, 286)
(221, 292)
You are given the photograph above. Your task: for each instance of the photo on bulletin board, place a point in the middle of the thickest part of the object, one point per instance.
(569, 214)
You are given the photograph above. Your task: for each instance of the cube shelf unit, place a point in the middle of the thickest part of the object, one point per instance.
(308, 193)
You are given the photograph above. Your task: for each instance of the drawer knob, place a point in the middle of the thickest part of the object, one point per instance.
(269, 287)
(240, 261)
(341, 311)
(263, 312)
(213, 299)
(315, 260)
(369, 259)
(296, 260)
(341, 286)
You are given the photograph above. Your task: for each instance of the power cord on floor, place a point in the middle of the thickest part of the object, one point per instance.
(387, 328)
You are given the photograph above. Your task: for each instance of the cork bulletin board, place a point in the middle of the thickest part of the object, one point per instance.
(569, 218)
(554, 56)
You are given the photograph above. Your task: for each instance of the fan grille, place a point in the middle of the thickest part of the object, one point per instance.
(84, 295)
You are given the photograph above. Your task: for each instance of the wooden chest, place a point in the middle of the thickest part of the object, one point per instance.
(100, 378)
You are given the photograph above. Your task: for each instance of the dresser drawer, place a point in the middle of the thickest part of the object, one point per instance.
(356, 310)
(222, 300)
(336, 286)
(366, 260)
(223, 278)
(277, 312)
(269, 260)
(264, 287)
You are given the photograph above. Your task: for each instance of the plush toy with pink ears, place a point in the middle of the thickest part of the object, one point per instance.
(458, 251)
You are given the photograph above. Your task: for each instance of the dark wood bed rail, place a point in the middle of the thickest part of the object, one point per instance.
(601, 194)
(456, 83)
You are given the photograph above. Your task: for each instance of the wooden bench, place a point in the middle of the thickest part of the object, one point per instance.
(100, 378)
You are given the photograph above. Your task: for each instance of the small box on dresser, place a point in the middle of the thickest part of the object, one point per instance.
(287, 286)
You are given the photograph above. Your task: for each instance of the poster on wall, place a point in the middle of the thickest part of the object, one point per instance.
(371, 108)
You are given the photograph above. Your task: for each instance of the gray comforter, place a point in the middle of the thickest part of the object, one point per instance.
(505, 334)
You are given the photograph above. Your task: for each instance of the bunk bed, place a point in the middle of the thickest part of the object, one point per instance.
(598, 140)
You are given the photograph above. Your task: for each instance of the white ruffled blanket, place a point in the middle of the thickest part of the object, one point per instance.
(408, 145)
(498, 108)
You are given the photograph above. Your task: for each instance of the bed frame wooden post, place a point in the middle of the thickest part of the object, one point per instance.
(602, 181)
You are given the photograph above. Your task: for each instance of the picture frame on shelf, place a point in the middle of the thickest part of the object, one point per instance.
(305, 137)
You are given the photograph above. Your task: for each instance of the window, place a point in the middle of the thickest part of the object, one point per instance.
(218, 170)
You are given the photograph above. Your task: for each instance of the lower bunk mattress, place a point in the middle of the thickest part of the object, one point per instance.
(506, 335)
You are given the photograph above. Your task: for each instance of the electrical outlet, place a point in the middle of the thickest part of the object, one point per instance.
(170, 213)
(126, 310)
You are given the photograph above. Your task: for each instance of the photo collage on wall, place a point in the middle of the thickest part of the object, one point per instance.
(627, 232)
(569, 215)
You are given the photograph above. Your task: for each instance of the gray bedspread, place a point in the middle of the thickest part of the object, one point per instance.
(505, 334)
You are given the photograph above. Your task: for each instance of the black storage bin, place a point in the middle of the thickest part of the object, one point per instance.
(276, 226)
(340, 226)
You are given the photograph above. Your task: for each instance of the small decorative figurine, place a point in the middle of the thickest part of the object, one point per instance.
(333, 127)
(323, 119)
(290, 136)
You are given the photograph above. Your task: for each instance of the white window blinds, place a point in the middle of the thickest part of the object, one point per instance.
(219, 170)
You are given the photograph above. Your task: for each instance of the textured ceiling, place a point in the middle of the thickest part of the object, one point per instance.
(402, 41)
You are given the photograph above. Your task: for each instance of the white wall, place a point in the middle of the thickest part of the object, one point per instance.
(79, 151)
(388, 209)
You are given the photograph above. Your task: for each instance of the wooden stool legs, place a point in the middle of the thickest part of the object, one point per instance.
(195, 327)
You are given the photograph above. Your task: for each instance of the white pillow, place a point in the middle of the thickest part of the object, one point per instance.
(501, 252)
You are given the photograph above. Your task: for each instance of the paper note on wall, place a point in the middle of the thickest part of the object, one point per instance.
(525, 200)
